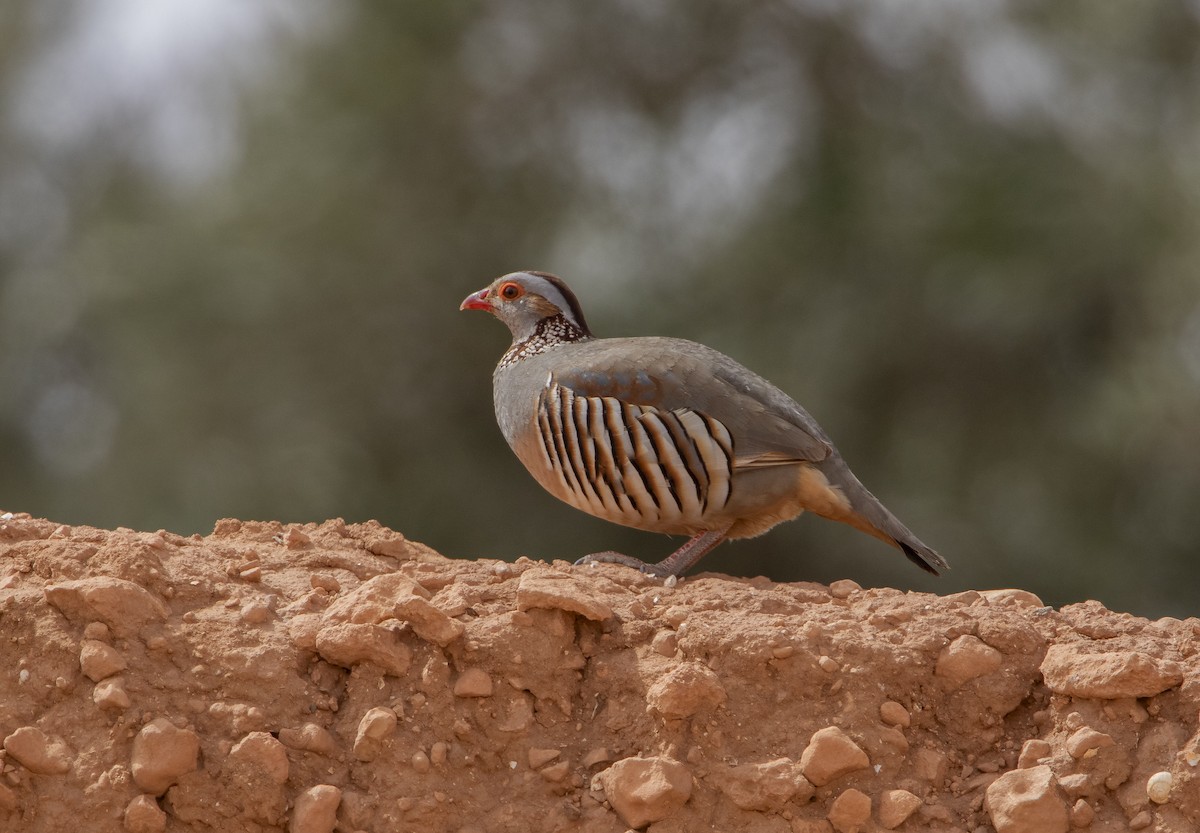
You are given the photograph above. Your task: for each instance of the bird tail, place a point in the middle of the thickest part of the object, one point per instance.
(872, 517)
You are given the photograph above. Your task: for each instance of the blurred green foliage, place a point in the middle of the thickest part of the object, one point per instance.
(233, 240)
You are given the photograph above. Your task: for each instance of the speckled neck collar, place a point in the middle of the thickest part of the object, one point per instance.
(550, 332)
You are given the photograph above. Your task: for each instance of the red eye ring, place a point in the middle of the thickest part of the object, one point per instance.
(511, 291)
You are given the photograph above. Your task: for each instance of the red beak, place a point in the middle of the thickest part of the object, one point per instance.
(476, 300)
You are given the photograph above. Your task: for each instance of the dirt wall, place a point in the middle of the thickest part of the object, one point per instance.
(340, 677)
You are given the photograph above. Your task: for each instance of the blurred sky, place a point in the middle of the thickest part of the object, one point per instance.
(233, 238)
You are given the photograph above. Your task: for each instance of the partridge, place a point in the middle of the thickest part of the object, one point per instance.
(664, 434)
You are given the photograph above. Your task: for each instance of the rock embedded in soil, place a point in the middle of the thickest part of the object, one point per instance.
(1027, 801)
(162, 753)
(538, 758)
(844, 587)
(143, 815)
(98, 660)
(894, 714)
(1033, 751)
(375, 600)
(665, 643)
(122, 605)
(110, 694)
(316, 810)
(1082, 814)
(429, 623)
(473, 682)
(645, 790)
(377, 724)
(311, 738)
(830, 754)
(895, 806)
(261, 753)
(965, 659)
(548, 588)
(38, 753)
(850, 811)
(685, 690)
(347, 644)
(1086, 741)
(765, 786)
(1109, 676)
(1012, 596)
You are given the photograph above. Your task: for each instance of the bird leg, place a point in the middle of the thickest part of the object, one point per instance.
(675, 564)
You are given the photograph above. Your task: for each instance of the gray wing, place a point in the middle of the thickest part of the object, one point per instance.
(767, 427)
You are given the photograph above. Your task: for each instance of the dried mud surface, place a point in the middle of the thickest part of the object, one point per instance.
(327, 677)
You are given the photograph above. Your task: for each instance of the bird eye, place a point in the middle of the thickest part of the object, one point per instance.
(511, 291)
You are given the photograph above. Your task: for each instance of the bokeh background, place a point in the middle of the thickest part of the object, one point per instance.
(234, 237)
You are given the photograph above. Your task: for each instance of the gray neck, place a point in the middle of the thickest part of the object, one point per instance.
(549, 332)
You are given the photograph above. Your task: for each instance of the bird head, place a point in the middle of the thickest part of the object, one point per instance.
(522, 300)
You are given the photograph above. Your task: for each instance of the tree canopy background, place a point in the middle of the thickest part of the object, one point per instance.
(233, 239)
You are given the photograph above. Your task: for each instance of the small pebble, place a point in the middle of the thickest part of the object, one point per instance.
(966, 658)
(473, 682)
(438, 753)
(1082, 814)
(556, 772)
(1033, 751)
(842, 588)
(261, 753)
(894, 737)
(596, 756)
(324, 581)
(828, 664)
(830, 754)
(540, 757)
(143, 815)
(99, 660)
(96, 630)
(895, 806)
(420, 762)
(316, 810)
(377, 723)
(894, 714)
(312, 738)
(1086, 742)
(255, 613)
(850, 811)
(110, 694)
(665, 643)
(294, 539)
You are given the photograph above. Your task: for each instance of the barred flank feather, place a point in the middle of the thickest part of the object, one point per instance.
(635, 461)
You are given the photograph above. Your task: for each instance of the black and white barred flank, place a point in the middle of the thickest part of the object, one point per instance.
(636, 462)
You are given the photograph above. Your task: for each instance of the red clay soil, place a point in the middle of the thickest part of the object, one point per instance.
(340, 677)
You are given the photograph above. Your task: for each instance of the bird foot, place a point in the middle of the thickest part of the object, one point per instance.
(612, 557)
(675, 564)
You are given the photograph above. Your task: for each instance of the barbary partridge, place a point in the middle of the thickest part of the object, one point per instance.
(664, 434)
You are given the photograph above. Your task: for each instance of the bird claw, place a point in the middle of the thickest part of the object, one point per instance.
(611, 557)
